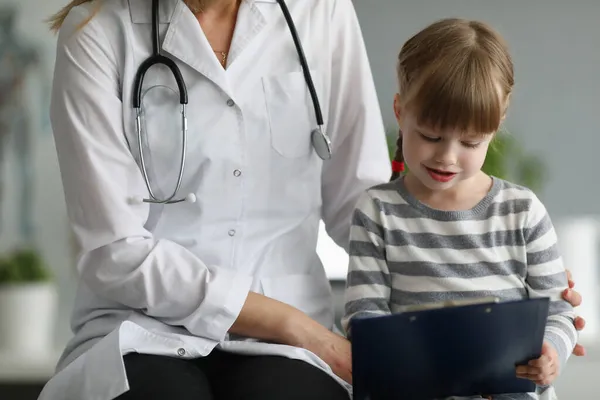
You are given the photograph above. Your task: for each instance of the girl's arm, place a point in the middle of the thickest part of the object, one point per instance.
(546, 277)
(369, 283)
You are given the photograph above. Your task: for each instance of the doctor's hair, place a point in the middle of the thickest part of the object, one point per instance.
(455, 74)
(58, 19)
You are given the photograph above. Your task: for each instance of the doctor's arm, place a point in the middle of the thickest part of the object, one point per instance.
(121, 260)
(360, 156)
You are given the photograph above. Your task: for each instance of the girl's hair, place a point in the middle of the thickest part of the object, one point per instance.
(454, 74)
(57, 19)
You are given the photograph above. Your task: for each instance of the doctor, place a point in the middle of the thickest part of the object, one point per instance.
(195, 187)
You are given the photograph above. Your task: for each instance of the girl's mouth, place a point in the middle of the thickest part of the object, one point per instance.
(440, 176)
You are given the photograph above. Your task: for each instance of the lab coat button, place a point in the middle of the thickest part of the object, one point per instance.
(230, 103)
(181, 351)
(237, 172)
(231, 232)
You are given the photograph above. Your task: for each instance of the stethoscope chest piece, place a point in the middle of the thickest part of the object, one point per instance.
(321, 143)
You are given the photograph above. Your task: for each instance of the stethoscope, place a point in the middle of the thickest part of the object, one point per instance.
(319, 138)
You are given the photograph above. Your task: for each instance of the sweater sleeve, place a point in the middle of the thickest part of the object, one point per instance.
(546, 277)
(368, 286)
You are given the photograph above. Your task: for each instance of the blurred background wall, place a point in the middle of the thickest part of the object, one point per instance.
(556, 101)
(31, 40)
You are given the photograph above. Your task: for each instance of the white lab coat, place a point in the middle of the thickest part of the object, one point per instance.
(172, 279)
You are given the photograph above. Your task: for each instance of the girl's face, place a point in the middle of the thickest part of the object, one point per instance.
(441, 160)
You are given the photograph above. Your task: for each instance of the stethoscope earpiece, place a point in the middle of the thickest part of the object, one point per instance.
(190, 198)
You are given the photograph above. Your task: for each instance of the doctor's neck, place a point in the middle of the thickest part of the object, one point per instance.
(218, 7)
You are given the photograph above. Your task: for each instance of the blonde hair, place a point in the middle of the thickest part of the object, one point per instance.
(58, 19)
(455, 74)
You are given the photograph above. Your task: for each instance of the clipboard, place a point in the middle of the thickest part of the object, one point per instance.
(461, 350)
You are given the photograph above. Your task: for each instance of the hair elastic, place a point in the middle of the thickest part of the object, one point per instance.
(397, 166)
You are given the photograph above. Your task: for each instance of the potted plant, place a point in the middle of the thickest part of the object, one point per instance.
(28, 298)
(506, 159)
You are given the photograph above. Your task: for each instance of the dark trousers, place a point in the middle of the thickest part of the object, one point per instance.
(226, 376)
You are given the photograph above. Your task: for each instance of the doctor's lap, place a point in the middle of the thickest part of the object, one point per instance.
(199, 272)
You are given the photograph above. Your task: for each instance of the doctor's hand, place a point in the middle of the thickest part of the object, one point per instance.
(574, 298)
(330, 347)
(543, 370)
(264, 318)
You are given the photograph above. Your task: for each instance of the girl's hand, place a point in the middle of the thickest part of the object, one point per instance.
(544, 370)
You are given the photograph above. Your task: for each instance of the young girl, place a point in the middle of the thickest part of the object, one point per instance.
(445, 230)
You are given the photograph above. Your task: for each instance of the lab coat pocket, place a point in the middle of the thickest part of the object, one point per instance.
(290, 112)
(309, 293)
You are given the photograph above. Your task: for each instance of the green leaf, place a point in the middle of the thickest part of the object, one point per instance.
(23, 265)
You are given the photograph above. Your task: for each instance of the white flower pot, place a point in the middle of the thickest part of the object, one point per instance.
(27, 318)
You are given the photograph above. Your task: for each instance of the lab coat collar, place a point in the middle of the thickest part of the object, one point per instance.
(141, 10)
(184, 29)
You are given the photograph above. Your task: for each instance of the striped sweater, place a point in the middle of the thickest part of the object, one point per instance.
(403, 253)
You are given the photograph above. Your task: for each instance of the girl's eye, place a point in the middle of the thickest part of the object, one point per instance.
(471, 145)
(429, 138)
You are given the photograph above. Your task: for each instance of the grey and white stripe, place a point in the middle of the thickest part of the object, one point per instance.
(403, 253)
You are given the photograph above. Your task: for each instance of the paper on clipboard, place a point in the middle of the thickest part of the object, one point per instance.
(450, 303)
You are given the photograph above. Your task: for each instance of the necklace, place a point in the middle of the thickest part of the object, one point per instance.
(223, 55)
